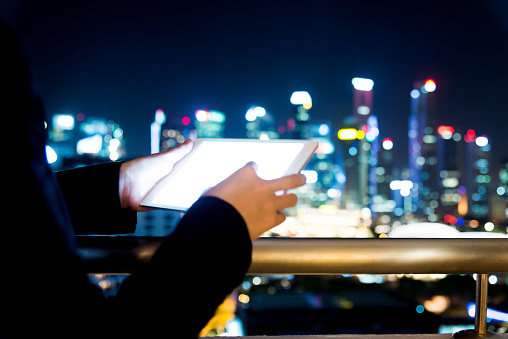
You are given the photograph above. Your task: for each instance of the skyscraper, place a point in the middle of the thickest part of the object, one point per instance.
(360, 145)
(422, 150)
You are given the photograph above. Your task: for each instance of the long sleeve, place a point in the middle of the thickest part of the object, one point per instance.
(45, 290)
(91, 195)
(190, 275)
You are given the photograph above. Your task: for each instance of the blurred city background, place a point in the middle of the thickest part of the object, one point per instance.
(424, 158)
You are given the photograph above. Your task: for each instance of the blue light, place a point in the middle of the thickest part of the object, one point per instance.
(415, 94)
(491, 313)
(420, 309)
(353, 150)
(324, 129)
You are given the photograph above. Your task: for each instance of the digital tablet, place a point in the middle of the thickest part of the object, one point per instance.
(213, 160)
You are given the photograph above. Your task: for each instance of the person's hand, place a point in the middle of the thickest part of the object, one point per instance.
(139, 176)
(258, 201)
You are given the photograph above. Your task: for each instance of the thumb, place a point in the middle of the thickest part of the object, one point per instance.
(253, 165)
(180, 151)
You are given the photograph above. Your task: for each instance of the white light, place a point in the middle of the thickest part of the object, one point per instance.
(333, 193)
(114, 143)
(482, 141)
(90, 145)
(202, 115)
(415, 94)
(405, 192)
(362, 84)
(312, 176)
(51, 155)
(430, 86)
(401, 185)
(501, 190)
(366, 213)
(387, 144)
(160, 117)
(300, 98)
(63, 121)
(363, 110)
(114, 156)
(251, 115)
(260, 111)
(492, 280)
(489, 227)
(324, 129)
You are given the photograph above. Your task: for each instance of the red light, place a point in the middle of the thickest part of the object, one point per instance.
(291, 124)
(80, 117)
(470, 136)
(185, 121)
(445, 130)
(450, 219)
(281, 129)
(365, 129)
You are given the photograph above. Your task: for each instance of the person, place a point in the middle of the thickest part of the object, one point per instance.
(44, 288)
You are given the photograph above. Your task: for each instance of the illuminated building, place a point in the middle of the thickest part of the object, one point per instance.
(360, 146)
(499, 203)
(260, 124)
(451, 206)
(210, 124)
(362, 99)
(155, 131)
(423, 150)
(302, 104)
(478, 174)
(81, 140)
(321, 171)
(382, 203)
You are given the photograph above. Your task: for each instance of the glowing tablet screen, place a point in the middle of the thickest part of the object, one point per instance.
(212, 162)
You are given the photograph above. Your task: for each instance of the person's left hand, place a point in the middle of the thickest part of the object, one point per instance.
(139, 176)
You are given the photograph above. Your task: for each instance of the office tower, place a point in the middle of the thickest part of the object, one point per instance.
(260, 124)
(382, 203)
(499, 203)
(300, 124)
(451, 207)
(360, 145)
(422, 149)
(210, 124)
(478, 174)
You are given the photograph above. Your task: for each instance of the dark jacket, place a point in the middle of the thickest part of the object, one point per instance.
(44, 289)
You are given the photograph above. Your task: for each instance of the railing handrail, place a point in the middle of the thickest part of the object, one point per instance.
(334, 256)
(322, 255)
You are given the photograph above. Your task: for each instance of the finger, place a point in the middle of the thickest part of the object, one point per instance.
(279, 218)
(253, 165)
(287, 182)
(285, 201)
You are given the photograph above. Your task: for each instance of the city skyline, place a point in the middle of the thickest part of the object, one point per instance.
(124, 60)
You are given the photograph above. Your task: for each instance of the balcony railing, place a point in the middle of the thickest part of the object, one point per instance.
(313, 256)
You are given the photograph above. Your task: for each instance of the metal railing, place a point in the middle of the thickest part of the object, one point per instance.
(312, 256)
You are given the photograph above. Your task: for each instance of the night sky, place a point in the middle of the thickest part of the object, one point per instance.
(124, 59)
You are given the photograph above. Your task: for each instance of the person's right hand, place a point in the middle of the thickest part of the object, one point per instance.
(256, 199)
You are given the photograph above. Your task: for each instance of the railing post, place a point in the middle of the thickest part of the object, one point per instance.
(480, 321)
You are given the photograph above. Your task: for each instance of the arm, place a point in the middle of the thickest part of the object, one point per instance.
(205, 258)
(92, 198)
(190, 275)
